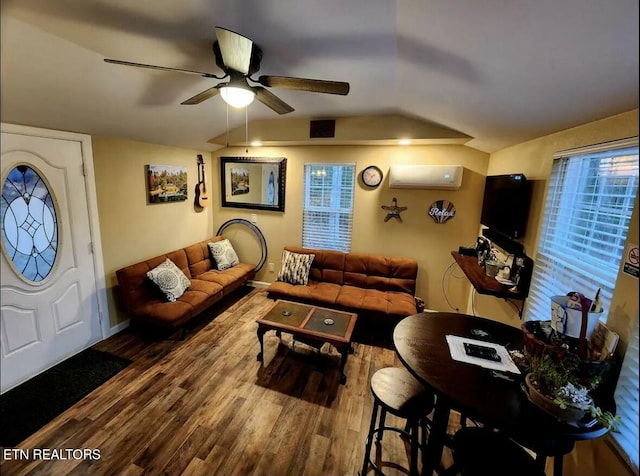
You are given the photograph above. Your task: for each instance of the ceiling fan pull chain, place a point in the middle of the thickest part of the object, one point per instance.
(227, 126)
(246, 129)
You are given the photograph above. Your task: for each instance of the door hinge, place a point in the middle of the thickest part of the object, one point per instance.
(91, 247)
(84, 169)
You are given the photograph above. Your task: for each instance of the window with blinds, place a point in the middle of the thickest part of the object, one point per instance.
(627, 402)
(588, 209)
(328, 206)
(587, 213)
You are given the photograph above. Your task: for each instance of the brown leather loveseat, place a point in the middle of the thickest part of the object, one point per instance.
(143, 301)
(357, 282)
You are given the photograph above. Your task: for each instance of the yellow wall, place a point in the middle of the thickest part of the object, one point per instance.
(131, 229)
(417, 236)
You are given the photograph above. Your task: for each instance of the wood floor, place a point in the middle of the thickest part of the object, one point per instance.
(204, 406)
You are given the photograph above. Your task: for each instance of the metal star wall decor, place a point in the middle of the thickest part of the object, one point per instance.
(393, 211)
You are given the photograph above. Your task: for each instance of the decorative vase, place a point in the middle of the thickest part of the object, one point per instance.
(568, 415)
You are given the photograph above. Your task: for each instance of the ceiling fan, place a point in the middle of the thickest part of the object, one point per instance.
(239, 57)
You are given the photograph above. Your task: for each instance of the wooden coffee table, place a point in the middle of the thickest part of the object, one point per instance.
(310, 324)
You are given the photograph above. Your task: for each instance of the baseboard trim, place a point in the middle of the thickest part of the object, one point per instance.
(258, 284)
(120, 326)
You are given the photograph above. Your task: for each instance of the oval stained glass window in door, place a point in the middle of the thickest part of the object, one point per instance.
(29, 223)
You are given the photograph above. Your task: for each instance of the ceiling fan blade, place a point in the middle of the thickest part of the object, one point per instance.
(303, 84)
(204, 95)
(235, 49)
(164, 68)
(272, 101)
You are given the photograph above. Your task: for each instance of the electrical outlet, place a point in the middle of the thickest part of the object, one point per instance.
(271, 267)
(254, 218)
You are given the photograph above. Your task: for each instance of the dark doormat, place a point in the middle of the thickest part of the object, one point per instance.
(29, 406)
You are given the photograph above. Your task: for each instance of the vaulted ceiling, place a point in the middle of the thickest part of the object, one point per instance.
(499, 72)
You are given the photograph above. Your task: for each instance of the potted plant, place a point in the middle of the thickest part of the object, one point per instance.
(556, 387)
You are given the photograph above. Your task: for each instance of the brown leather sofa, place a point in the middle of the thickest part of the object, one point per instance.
(357, 282)
(143, 301)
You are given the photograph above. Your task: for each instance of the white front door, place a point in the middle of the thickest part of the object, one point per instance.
(49, 300)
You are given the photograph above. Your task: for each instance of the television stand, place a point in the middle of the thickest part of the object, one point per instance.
(484, 284)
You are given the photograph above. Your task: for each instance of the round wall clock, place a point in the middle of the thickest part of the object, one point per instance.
(372, 176)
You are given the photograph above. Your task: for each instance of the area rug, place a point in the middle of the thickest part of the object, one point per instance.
(28, 407)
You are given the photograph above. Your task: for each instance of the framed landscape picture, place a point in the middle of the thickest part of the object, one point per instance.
(166, 183)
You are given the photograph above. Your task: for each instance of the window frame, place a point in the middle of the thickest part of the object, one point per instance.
(317, 236)
(625, 442)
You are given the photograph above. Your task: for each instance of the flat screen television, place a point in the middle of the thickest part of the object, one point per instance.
(505, 207)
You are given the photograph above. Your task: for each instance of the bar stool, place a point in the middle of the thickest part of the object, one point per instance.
(482, 451)
(397, 392)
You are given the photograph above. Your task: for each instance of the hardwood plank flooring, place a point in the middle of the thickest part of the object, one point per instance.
(204, 405)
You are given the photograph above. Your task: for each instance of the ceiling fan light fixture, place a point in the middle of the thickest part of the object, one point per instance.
(237, 97)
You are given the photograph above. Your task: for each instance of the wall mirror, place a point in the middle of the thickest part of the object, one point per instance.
(253, 182)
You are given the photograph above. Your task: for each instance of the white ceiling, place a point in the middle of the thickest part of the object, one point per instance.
(500, 71)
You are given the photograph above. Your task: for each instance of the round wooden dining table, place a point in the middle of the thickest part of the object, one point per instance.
(496, 399)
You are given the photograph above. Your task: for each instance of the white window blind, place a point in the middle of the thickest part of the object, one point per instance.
(586, 218)
(584, 229)
(626, 397)
(328, 206)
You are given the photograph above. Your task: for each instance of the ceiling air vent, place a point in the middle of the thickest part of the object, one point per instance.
(322, 129)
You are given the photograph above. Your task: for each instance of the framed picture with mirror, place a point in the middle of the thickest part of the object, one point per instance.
(253, 182)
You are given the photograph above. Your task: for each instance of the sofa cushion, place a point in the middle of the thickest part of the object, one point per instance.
(201, 294)
(295, 267)
(384, 273)
(374, 300)
(135, 287)
(223, 254)
(325, 293)
(170, 279)
(196, 299)
(168, 314)
(199, 256)
(239, 274)
(327, 266)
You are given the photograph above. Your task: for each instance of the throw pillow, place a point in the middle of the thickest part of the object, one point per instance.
(295, 267)
(170, 279)
(223, 254)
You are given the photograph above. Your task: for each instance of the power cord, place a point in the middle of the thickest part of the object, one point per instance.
(449, 270)
(473, 301)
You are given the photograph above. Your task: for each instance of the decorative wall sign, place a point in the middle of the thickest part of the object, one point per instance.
(166, 183)
(441, 211)
(393, 211)
(631, 260)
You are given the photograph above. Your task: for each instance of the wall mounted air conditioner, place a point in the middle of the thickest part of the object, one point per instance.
(443, 177)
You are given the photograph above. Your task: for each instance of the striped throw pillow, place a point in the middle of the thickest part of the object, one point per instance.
(295, 267)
